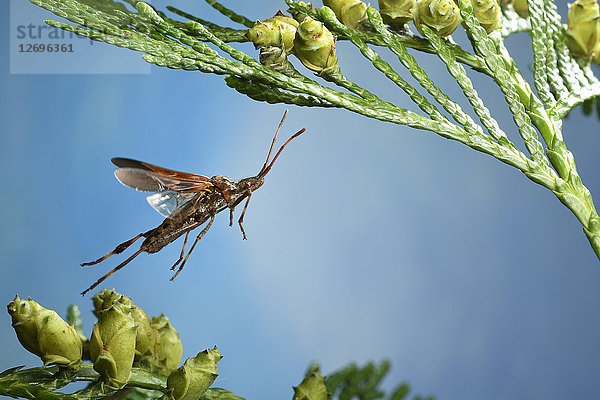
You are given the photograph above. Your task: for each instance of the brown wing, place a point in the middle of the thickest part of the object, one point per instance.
(151, 178)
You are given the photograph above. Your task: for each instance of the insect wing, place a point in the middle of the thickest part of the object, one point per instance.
(139, 179)
(151, 178)
(168, 201)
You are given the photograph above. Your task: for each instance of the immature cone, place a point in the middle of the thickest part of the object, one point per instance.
(193, 378)
(44, 333)
(351, 13)
(272, 56)
(278, 31)
(146, 335)
(583, 31)
(521, 7)
(315, 45)
(299, 16)
(104, 300)
(442, 16)
(168, 347)
(487, 13)
(112, 346)
(396, 13)
(276, 59)
(311, 388)
(145, 340)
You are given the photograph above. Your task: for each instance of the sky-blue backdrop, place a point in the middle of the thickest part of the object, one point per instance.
(367, 241)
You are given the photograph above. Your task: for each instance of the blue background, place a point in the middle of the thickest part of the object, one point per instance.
(367, 241)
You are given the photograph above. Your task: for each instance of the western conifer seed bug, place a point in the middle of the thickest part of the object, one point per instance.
(187, 200)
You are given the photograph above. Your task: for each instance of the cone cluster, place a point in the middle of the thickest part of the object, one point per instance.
(123, 337)
(309, 40)
(314, 45)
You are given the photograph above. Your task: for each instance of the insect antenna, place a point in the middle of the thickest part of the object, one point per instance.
(273, 142)
(112, 271)
(266, 168)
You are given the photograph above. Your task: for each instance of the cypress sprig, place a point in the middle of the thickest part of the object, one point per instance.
(421, 76)
(363, 382)
(459, 74)
(513, 23)
(272, 95)
(240, 19)
(543, 49)
(331, 21)
(544, 34)
(569, 69)
(41, 383)
(576, 98)
(224, 33)
(561, 81)
(516, 90)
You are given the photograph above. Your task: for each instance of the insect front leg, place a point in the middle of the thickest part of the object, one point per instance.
(241, 220)
(200, 235)
(119, 249)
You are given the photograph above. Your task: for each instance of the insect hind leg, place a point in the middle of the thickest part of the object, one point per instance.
(119, 249)
(200, 235)
(112, 271)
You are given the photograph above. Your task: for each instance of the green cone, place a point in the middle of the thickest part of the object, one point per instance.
(278, 31)
(487, 13)
(276, 59)
(583, 31)
(442, 16)
(112, 345)
(44, 333)
(168, 350)
(105, 299)
(145, 340)
(351, 13)
(315, 45)
(396, 13)
(311, 388)
(146, 335)
(299, 16)
(195, 376)
(521, 7)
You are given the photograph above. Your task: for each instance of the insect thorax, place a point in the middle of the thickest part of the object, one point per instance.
(226, 186)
